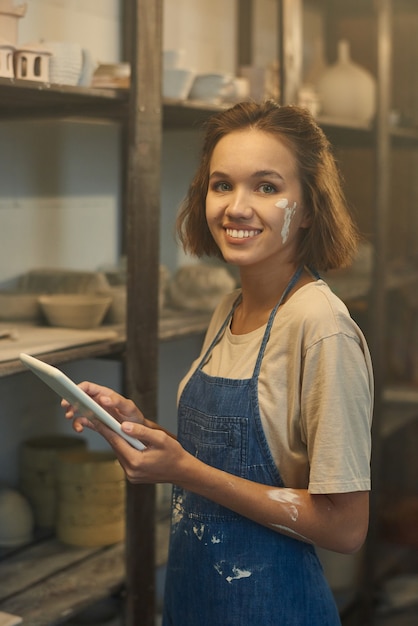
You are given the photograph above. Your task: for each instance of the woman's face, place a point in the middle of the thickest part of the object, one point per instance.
(254, 203)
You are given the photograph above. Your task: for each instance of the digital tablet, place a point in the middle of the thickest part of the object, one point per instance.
(67, 389)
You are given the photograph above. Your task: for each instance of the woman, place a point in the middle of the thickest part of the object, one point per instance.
(273, 448)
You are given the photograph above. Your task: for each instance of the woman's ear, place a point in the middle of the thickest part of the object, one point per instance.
(307, 218)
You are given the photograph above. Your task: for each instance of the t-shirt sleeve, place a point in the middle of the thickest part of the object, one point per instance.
(336, 414)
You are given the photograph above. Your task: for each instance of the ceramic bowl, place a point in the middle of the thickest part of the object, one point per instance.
(210, 87)
(117, 311)
(177, 83)
(53, 281)
(173, 59)
(19, 307)
(75, 310)
(16, 518)
(66, 62)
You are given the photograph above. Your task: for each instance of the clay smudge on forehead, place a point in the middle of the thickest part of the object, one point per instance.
(289, 212)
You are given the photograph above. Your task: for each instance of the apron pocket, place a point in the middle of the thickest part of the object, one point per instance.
(220, 442)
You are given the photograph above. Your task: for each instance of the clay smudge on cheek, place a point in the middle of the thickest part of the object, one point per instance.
(289, 212)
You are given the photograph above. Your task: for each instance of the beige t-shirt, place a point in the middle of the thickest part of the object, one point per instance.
(315, 388)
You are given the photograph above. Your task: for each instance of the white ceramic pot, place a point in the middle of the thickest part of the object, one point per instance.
(6, 59)
(211, 87)
(173, 59)
(238, 90)
(347, 90)
(31, 62)
(66, 62)
(16, 518)
(177, 83)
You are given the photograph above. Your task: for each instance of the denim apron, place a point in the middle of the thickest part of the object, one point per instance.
(224, 569)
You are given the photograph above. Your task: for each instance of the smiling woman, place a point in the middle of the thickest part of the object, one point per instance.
(311, 152)
(252, 173)
(272, 455)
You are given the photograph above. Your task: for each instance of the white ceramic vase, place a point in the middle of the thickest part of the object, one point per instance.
(347, 90)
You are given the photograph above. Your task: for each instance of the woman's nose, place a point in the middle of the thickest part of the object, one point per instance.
(239, 204)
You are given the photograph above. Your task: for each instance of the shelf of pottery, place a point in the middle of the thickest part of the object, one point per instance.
(58, 62)
(28, 61)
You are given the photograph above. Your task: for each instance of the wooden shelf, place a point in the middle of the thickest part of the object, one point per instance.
(344, 123)
(192, 113)
(405, 135)
(188, 113)
(35, 341)
(173, 324)
(30, 99)
(48, 582)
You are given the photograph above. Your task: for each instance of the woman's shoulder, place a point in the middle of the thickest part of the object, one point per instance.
(320, 298)
(316, 309)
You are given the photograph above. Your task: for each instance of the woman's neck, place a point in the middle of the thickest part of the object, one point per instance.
(260, 295)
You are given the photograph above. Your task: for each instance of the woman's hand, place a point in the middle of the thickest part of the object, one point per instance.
(163, 460)
(159, 462)
(119, 407)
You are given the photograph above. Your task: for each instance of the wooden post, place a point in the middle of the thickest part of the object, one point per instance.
(143, 32)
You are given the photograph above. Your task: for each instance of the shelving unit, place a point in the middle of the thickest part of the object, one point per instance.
(47, 582)
(172, 324)
(139, 111)
(30, 99)
(377, 31)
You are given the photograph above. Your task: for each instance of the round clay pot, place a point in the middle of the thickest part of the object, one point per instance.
(38, 473)
(347, 90)
(91, 502)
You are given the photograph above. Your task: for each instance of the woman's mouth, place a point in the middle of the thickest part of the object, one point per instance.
(236, 233)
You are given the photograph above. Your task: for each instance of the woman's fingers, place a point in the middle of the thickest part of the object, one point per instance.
(114, 403)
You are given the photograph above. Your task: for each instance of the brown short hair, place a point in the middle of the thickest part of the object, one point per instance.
(331, 239)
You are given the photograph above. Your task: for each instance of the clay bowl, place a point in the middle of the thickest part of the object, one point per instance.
(75, 310)
(177, 83)
(19, 307)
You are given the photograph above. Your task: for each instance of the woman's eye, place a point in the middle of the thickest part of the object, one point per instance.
(222, 187)
(267, 188)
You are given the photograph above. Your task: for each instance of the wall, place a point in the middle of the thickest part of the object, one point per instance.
(204, 30)
(54, 188)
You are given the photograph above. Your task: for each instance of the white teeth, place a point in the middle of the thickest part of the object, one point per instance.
(241, 234)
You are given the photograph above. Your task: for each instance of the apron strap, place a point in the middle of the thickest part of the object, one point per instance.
(292, 282)
(219, 333)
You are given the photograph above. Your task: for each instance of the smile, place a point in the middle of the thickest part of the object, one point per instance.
(242, 234)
